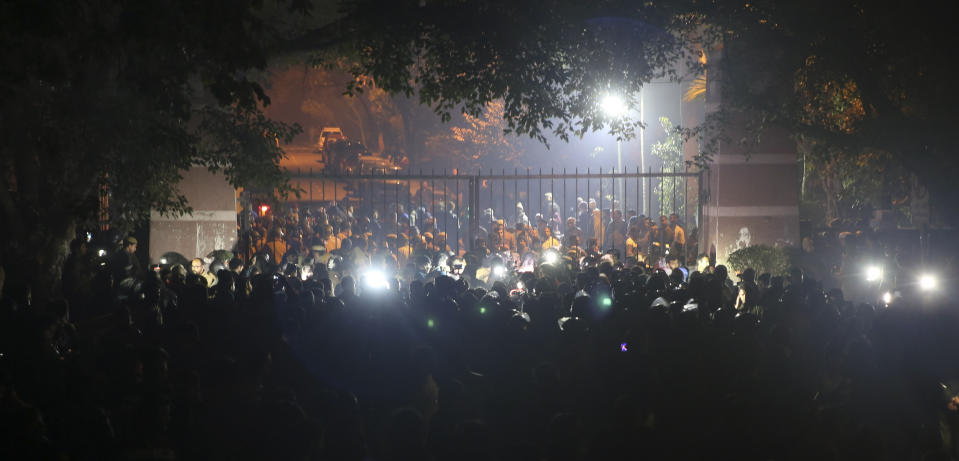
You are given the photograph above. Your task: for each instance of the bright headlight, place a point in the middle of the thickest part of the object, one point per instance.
(376, 280)
(499, 271)
(927, 282)
(550, 257)
(873, 273)
(887, 298)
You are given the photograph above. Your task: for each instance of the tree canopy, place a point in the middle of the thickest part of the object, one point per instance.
(105, 96)
(856, 76)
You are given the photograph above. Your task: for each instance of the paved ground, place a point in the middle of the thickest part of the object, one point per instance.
(301, 159)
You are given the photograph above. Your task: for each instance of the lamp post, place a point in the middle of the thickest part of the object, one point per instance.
(614, 107)
(642, 144)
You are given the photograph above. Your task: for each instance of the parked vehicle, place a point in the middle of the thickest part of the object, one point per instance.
(328, 136)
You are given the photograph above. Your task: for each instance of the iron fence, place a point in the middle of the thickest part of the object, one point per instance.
(462, 203)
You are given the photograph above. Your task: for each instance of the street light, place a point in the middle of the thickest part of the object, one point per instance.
(614, 107)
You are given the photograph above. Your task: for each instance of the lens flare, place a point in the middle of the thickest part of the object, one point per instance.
(614, 106)
(873, 273)
(887, 298)
(928, 282)
(376, 280)
(550, 257)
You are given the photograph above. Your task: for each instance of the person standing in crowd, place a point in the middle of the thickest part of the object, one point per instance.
(665, 232)
(550, 241)
(199, 269)
(403, 250)
(521, 216)
(571, 231)
(572, 248)
(678, 242)
(126, 263)
(616, 232)
(592, 248)
(584, 219)
(633, 243)
(329, 239)
(597, 215)
(523, 234)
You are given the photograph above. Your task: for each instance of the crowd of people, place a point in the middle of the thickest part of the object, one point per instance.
(402, 243)
(605, 357)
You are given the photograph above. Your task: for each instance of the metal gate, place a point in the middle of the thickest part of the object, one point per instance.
(462, 203)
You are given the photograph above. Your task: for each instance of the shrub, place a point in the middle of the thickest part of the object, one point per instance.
(762, 258)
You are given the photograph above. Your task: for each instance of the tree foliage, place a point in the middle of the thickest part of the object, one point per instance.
(109, 97)
(860, 77)
(476, 141)
(670, 191)
(103, 95)
(550, 63)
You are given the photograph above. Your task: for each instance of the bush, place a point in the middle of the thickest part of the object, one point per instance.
(762, 258)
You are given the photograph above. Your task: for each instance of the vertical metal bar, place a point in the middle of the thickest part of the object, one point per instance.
(539, 197)
(396, 201)
(565, 201)
(589, 196)
(504, 202)
(673, 182)
(649, 191)
(602, 229)
(552, 196)
(575, 196)
(492, 202)
(409, 199)
(446, 210)
(459, 214)
(515, 192)
(685, 214)
(473, 223)
(624, 194)
(639, 187)
(419, 219)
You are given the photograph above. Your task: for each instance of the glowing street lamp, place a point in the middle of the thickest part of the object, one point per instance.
(615, 107)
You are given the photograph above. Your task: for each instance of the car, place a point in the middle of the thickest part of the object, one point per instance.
(328, 136)
(377, 164)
